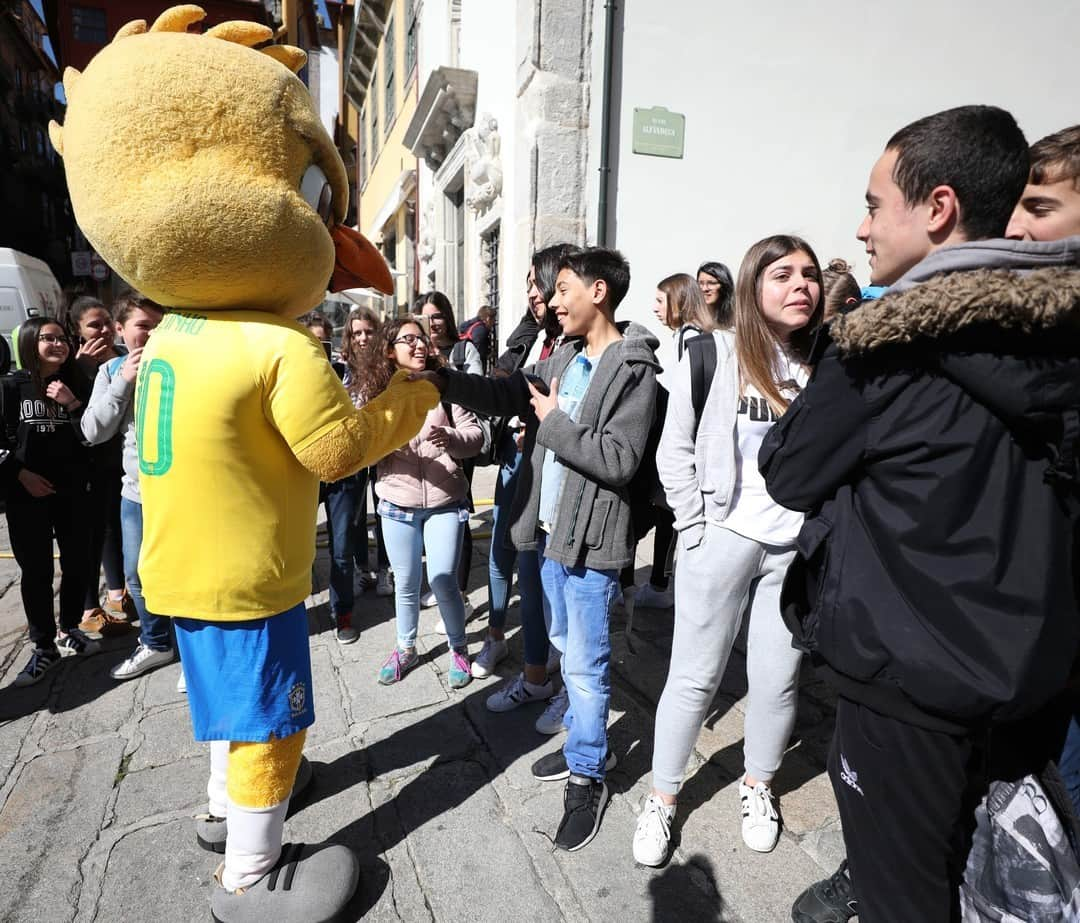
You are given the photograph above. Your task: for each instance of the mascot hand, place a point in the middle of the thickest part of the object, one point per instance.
(374, 431)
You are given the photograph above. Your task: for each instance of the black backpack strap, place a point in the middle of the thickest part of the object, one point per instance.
(457, 355)
(702, 351)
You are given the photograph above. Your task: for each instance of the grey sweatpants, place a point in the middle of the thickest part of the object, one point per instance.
(715, 583)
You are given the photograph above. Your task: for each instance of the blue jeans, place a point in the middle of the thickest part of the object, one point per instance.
(501, 567)
(341, 499)
(1069, 763)
(361, 552)
(578, 599)
(438, 532)
(156, 631)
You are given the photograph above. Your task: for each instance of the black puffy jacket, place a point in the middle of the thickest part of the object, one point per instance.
(934, 579)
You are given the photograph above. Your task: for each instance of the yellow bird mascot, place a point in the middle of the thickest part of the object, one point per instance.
(199, 169)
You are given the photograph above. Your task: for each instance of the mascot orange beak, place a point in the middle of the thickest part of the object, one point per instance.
(357, 264)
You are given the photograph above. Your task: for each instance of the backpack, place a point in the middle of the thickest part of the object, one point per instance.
(489, 451)
(1023, 863)
(702, 352)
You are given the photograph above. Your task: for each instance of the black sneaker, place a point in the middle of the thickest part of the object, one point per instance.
(553, 768)
(583, 805)
(41, 661)
(75, 641)
(829, 901)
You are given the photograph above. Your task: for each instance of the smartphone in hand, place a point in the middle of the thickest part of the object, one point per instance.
(537, 382)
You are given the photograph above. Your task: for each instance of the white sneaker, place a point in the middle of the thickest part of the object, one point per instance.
(439, 627)
(760, 822)
(490, 654)
(384, 583)
(653, 834)
(651, 597)
(551, 721)
(518, 692)
(140, 661)
(554, 663)
(181, 682)
(428, 600)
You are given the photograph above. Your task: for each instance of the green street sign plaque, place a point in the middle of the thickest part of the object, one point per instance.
(659, 132)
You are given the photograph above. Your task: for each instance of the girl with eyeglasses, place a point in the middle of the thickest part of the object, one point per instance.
(718, 290)
(423, 502)
(46, 475)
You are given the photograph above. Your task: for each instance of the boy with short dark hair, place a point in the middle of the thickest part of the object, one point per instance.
(926, 449)
(587, 410)
(1049, 209)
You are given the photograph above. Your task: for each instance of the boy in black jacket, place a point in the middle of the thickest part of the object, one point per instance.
(934, 580)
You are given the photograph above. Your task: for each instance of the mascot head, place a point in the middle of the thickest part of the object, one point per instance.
(198, 168)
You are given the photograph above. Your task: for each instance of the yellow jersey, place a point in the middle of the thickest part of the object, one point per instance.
(227, 405)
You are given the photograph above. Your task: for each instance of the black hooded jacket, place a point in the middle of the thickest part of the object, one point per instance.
(934, 579)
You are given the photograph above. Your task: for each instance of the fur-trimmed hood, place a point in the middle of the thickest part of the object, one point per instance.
(999, 318)
(1014, 285)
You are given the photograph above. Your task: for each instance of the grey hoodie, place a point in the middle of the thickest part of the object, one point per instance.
(112, 410)
(601, 450)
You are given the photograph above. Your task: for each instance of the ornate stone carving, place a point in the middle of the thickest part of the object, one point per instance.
(485, 165)
(425, 247)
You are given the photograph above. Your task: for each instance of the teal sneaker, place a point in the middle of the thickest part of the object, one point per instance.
(460, 670)
(397, 665)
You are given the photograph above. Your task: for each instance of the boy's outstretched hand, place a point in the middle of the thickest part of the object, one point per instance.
(433, 377)
(542, 403)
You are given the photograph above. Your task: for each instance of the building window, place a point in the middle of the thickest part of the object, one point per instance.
(88, 23)
(489, 256)
(411, 28)
(374, 132)
(454, 241)
(361, 141)
(388, 76)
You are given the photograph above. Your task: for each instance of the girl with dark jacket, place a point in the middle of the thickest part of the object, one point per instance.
(47, 475)
(535, 338)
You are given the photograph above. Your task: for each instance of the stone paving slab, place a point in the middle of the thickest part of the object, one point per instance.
(99, 782)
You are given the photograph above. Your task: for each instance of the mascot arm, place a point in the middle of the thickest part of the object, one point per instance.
(372, 432)
(306, 403)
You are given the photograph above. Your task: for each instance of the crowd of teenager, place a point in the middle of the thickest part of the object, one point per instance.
(882, 478)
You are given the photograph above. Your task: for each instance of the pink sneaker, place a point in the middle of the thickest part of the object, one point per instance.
(460, 669)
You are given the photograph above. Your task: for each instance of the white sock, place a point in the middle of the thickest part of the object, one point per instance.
(534, 688)
(254, 843)
(215, 788)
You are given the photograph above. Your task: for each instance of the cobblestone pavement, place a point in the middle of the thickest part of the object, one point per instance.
(99, 782)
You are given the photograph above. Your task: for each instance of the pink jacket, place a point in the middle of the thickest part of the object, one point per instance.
(421, 476)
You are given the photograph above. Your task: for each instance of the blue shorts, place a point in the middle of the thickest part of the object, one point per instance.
(248, 681)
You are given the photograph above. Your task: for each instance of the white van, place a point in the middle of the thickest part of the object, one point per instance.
(28, 288)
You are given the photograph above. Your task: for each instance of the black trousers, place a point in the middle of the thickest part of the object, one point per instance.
(907, 798)
(32, 523)
(105, 541)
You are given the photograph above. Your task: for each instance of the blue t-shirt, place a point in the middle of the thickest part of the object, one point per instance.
(572, 391)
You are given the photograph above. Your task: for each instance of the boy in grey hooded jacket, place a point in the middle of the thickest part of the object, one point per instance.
(584, 440)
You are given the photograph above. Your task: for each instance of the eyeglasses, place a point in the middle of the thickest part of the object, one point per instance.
(52, 339)
(411, 339)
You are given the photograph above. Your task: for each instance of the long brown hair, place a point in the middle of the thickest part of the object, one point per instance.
(755, 343)
(686, 304)
(352, 355)
(375, 374)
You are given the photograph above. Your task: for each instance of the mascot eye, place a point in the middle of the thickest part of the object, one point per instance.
(317, 192)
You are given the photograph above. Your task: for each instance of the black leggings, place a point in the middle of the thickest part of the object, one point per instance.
(32, 523)
(104, 540)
